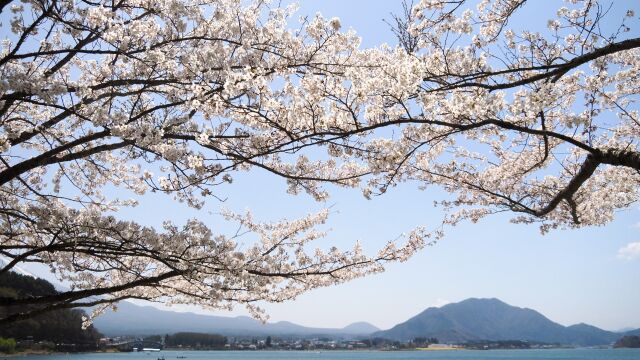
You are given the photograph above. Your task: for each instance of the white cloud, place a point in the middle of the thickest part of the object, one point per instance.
(630, 252)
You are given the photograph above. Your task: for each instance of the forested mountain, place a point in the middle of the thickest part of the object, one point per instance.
(59, 326)
(635, 332)
(469, 320)
(629, 341)
(492, 319)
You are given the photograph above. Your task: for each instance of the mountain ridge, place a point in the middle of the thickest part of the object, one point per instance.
(472, 319)
(148, 320)
(477, 319)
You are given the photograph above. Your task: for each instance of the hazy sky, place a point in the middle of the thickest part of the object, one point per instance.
(569, 276)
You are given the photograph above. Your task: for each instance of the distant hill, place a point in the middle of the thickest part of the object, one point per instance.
(629, 341)
(63, 325)
(492, 319)
(469, 320)
(635, 332)
(584, 334)
(360, 328)
(132, 319)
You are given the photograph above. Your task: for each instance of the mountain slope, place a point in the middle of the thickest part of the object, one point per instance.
(132, 319)
(360, 328)
(635, 332)
(584, 334)
(492, 319)
(61, 325)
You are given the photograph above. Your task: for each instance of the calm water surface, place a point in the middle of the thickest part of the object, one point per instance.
(571, 354)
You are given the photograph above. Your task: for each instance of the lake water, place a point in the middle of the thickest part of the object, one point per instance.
(553, 354)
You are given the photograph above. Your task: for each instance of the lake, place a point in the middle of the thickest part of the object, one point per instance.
(553, 354)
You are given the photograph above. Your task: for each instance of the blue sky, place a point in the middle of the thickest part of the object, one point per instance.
(569, 276)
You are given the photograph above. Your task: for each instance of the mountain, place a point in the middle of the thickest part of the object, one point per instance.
(16, 269)
(61, 325)
(360, 328)
(132, 319)
(584, 334)
(635, 332)
(491, 319)
(628, 341)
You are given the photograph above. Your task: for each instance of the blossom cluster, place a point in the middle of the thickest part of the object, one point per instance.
(177, 96)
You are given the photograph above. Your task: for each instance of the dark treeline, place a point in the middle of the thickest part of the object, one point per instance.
(195, 340)
(60, 326)
(630, 341)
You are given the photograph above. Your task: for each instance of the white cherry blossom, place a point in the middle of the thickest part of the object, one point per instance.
(176, 96)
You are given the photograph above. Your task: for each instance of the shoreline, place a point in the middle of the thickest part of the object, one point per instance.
(45, 352)
(30, 352)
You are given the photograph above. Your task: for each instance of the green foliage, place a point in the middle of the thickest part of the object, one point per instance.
(58, 326)
(154, 338)
(424, 341)
(26, 285)
(630, 341)
(196, 340)
(7, 345)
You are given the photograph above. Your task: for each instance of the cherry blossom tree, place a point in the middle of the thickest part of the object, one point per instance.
(542, 123)
(176, 96)
(168, 96)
